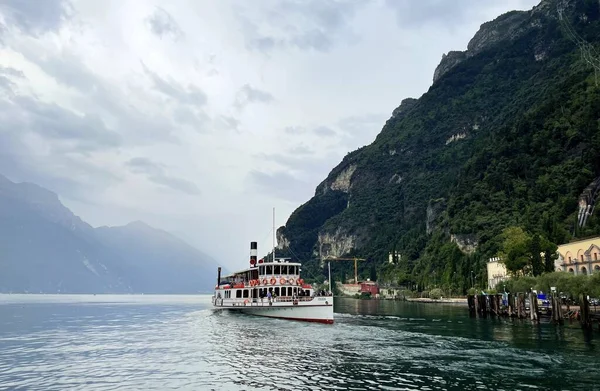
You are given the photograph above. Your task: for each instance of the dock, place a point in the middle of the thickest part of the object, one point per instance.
(527, 306)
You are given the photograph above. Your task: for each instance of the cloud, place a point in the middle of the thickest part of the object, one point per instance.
(226, 122)
(52, 122)
(294, 130)
(306, 25)
(358, 130)
(191, 95)
(282, 184)
(50, 166)
(446, 13)
(156, 173)
(324, 131)
(136, 125)
(11, 72)
(35, 17)
(248, 94)
(162, 24)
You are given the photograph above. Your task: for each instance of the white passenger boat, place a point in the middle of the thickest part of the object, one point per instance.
(272, 288)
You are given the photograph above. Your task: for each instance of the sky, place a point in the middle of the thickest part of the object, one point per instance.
(199, 117)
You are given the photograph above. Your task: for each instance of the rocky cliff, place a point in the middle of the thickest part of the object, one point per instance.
(506, 135)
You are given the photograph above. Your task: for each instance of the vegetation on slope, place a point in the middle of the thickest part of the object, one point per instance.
(528, 107)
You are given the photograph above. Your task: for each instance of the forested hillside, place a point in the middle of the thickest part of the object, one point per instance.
(507, 136)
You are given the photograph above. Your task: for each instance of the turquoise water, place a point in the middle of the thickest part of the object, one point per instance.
(177, 342)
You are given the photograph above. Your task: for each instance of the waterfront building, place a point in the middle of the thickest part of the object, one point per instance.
(496, 272)
(580, 257)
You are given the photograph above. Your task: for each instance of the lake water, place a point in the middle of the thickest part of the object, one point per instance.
(60, 342)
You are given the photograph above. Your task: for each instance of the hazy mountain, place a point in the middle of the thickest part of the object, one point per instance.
(45, 248)
(161, 262)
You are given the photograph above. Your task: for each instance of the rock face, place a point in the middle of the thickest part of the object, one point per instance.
(506, 27)
(342, 182)
(405, 106)
(509, 26)
(335, 244)
(448, 62)
(434, 212)
(466, 243)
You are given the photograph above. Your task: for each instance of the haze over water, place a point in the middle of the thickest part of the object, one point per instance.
(177, 342)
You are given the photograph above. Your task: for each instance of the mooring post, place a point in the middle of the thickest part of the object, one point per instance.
(521, 304)
(471, 303)
(584, 312)
(533, 307)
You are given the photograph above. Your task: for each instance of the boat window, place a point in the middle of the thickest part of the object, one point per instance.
(289, 289)
(269, 269)
(238, 294)
(245, 293)
(284, 269)
(261, 270)
(277, 291)
(277, 269)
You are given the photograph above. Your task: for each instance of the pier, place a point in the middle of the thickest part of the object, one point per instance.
(527, 306)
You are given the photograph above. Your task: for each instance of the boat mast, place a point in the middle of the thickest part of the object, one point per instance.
(273, 234)
(329, 278)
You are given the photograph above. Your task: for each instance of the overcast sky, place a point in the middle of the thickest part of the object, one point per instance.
(199, 117)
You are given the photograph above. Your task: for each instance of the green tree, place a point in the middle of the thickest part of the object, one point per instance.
(373, 273)
(536, 257)
(515, 249)
(550, 255)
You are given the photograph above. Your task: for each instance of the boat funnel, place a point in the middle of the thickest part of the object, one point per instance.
(253, 253)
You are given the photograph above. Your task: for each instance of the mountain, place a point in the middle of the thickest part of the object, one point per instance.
(45, 248)
(507, 135)
(160, 262)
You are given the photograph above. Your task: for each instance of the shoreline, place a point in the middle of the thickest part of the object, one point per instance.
(458, 300)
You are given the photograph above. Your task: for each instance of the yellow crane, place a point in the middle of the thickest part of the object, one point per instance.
(355, 259)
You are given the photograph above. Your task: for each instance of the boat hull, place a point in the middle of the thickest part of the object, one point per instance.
(321, 311)
(316, 313)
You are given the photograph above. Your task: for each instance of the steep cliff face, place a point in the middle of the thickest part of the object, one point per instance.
(505, 136)
(509, 26)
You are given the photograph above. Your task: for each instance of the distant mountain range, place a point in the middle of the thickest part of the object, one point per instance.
(45, 248)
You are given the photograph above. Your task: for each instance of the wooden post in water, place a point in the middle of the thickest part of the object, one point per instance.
(533, 307)
(510, 304)
(483, 303)
(557, 315)
(521, 306)
(584, 312)
(498, 304)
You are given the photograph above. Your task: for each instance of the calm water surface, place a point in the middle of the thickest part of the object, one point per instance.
(60, 342)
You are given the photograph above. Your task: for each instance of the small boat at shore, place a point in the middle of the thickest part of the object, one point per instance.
(272, 288)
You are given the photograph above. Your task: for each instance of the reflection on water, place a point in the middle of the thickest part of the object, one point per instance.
(178, 342)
